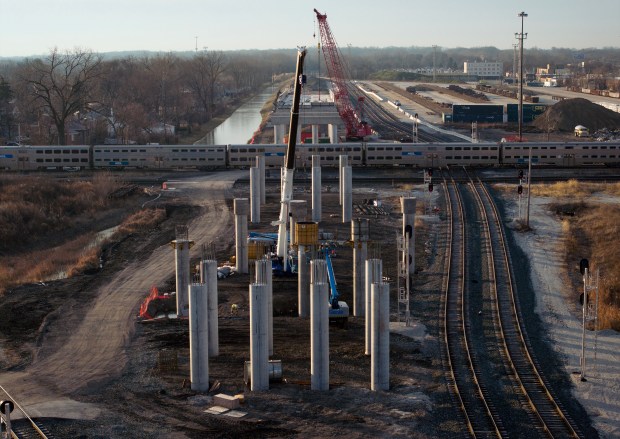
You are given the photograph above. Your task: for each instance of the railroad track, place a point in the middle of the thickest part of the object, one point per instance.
(26, 427)
(497, 392)
(391, 127)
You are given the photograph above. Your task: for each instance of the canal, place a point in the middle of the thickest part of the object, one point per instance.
(241, 125)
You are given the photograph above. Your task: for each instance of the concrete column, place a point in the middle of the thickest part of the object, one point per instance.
(374, 273)
(259, 352)
(380, 337)
(316, 188)
(341, 164)
(198, 337)
(347, 194)
(210, 267)
(359, 236)
(315, 134)
(181, 260)
(241, 208)
(278, 133)
(255, 195)
(299, 134)
(319, 325)
(264, 275)
(408, 208)
(333, 133)
(260, 164)
(303, 283)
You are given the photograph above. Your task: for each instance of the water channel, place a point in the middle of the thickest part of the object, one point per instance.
(241, 125)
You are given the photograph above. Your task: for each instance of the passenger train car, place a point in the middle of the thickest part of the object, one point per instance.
(422, 155)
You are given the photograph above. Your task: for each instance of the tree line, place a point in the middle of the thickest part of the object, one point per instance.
(83, 97)
(78, 96)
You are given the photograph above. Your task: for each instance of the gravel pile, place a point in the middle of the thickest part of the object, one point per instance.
(566, 114)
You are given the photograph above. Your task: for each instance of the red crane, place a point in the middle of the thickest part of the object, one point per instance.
(356, 128)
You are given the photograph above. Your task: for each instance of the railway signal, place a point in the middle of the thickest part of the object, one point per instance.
(520, 174)
(430, 187)
(520, 189)
(6, 407)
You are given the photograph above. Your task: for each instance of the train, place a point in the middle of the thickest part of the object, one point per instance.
(209, 157)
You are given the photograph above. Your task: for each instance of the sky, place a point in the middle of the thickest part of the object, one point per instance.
(34, 27)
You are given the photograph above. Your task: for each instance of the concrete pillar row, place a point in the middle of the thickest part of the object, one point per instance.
(260, 164)
(315, 134)
(211, 282)
(374, 273)
(181, 262)
(333, 133)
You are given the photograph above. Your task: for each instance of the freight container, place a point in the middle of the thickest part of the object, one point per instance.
(530, 112)
(477, 113)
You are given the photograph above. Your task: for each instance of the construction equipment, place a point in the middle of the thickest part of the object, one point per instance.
(337, 308)
(356, 127)
(288, 170)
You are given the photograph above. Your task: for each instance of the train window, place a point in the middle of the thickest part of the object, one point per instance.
(125, 150)
(75, 160)
(234, 159)
(192, 150)
(48, 160)
(569, 147)
(48, 151)
(398, 157)
(115, 150)
(389, 148)
(457, 148)
(466, 157)
(184, 150)
(484, 157)
(56, 160)
(594, 156)
(243, 150)
(543, 157)
(595, 147)
(449, 157)
(448, 148)
(83, 151)
(603, 147)
(175, 160)
(175, 150)
(134, 160)
(371, 148)
(39, 160)
(357, 149)
(201, 159)
(66, 151)
(586, 147)
(143, 150)
(457, 157)
(39, 151)
(329, 158)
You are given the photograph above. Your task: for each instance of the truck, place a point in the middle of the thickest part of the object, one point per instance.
(581, 131)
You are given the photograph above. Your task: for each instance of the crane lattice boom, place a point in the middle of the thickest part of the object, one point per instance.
(335, 69)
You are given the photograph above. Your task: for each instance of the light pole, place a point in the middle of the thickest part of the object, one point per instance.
(434, 68)
(514, 62)
(521, 37)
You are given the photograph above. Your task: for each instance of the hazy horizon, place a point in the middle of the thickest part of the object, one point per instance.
(34, 27)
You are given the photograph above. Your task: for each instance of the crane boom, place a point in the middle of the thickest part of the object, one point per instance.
(335, 68)
(288, 169)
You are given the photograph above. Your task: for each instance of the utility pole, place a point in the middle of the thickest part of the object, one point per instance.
(514, 62)
(434, 68)
(196, 44)
(521, 36)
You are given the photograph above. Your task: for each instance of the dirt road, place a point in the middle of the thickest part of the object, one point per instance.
(81, 353)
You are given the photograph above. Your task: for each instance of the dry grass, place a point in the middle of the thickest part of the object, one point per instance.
(33, 206)
(575, 189)
(588, 235)
(71, 258)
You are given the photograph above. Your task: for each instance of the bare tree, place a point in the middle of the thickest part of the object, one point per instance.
(61, 84)
(204, 72)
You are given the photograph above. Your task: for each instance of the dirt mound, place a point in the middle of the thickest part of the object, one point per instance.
(566, 114)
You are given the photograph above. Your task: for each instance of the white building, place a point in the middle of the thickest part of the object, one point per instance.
(484, 69)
